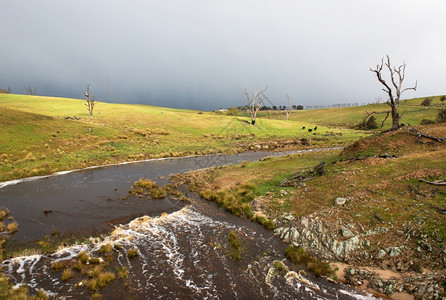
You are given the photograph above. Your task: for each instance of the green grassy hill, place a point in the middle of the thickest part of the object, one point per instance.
(411, 110)
(42, 135)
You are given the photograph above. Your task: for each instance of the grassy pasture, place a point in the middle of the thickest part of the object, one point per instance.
(37, 138)
(411, 110)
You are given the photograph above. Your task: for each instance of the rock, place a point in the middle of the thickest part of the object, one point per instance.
(340, 201)
(381, 254)
(394, 251)
(346, 232)
(278, 231)
(283, 193)
(288, 217)
(294, 234)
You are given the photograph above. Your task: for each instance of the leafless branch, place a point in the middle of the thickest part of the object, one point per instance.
(288, 110)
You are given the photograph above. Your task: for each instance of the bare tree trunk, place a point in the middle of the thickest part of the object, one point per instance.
(90, 101)
(255, 102)
(395, 118)
(397, 75)
(288, 111)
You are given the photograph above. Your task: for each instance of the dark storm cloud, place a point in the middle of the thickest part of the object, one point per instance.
(202, 54)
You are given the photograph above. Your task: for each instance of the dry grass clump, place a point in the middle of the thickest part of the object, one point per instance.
(145, 184)
(314, 265)
(102, 280)
(94, 272)
(105, 249)
(148, 187)
(59, 265)
(132, 252)
(67, 274)
(82, 257)
(3, 213)
(12, 227)
(158, 193)
(30, 157)
(123, 272)
(236, 245)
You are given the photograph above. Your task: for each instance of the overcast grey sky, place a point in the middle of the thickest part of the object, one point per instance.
(201, 54)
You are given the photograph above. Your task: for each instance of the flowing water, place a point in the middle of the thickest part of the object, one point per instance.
(185, 254)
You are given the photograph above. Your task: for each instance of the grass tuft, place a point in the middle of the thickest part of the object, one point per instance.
(132, 252)
(67, 274)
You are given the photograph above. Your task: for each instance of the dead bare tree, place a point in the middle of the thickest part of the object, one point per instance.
(378, 100)
(30, 90)
(397, 75)
(255, 102)
(90, 101)
(288, 110)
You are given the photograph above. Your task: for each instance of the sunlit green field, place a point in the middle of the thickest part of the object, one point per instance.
(42, 135)
(411, 110)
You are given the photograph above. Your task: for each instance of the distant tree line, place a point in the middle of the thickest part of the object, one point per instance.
(273, 107)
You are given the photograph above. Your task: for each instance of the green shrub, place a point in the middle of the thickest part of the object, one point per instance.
(265, 222)
(248, 210)
(319, 268)
(297, 255)
(236, 245)
(427, 102)
(427, 122)
(441, 117)
(278, 265)
(314, 265)
(371, 123)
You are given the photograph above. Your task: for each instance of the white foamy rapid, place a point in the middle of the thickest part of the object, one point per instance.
(180, 255)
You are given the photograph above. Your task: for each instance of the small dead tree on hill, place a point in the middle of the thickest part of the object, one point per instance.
(255, 102)
(90, 101)
(30, 90)
(397, 75)
(288, 110)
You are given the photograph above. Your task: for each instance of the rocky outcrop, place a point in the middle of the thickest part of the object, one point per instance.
(344, 242)
(425, 286)
(319, 238)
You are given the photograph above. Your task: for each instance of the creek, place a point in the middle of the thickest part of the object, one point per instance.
(183, 254)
